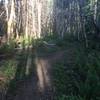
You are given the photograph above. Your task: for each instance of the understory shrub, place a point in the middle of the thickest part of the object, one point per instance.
(81, 80)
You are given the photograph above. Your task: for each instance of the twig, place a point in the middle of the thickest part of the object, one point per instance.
(2, 13)
(48, 44)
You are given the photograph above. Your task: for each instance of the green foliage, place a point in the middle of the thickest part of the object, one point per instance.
(79, 79)
(64, 97)
(8, 68)
(7, 48)
(23, 42)
(89, 83)
(26, 41)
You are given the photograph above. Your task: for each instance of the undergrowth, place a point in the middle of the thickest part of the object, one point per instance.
(79, 79)
(7, 48)
(75, 77)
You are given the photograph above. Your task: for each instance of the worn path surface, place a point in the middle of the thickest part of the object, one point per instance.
(38, 84)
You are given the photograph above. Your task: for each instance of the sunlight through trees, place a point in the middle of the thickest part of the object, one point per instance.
(37, 18)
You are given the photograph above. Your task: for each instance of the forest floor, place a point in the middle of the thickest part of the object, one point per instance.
(36, 79)
(68, 71)
(39, 85)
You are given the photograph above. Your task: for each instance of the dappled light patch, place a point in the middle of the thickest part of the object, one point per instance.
(42, 67)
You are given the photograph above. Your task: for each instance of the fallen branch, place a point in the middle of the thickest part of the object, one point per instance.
(2, 13)
(48, 44)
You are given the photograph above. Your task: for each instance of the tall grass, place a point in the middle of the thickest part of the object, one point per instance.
(79, 80)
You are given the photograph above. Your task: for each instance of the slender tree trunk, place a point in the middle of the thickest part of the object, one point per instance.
(11, 20)
(39, 19)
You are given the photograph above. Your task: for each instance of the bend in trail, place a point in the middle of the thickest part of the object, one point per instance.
(38, 71)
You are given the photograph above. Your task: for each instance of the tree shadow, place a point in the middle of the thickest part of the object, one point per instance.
(29, 79)
(19, 76)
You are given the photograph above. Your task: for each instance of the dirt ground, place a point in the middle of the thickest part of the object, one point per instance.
(38, 85)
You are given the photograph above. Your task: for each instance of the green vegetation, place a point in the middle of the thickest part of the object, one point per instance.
(50, 49)
(64, 97)
(8, 68)
(7, 73)
(7, 48)
(76, 76)
(12, 64)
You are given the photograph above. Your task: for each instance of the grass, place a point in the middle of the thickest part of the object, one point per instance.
(12, 68)
(75, 77)
(79, 79)
(8, 68)
(64, 97)
(7, 48)
(7, 73)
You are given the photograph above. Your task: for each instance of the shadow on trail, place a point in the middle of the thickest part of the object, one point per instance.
(19, 75)
(31, 81)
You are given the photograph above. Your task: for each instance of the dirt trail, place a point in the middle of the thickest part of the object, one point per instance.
(38, 86)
